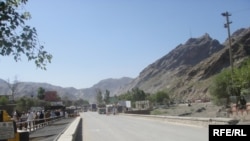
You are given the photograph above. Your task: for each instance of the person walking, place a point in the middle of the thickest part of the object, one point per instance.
(242, 103)
(30, 119)
(41, 118)
(15, 117)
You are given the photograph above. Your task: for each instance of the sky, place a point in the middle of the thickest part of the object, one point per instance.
(92, 40)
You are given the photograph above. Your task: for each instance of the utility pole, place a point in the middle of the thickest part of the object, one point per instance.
(226, 25)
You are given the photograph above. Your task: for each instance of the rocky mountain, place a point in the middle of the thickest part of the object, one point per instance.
(187, 70)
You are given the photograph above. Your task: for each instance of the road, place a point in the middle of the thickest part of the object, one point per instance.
(98, 127)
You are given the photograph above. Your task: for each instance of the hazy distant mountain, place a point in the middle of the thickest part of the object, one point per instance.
(113, 85)
(30, 89)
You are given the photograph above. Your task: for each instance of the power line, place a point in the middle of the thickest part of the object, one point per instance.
(241, 10)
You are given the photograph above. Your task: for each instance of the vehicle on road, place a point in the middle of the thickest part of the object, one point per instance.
(93, 107)
(102, 110)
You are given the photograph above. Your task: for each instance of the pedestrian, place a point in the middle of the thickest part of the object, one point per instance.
(242, 104)
(66, 114)
(15, 117)
(41, 117)
(30, 118)
(23, 117)
(114, 110)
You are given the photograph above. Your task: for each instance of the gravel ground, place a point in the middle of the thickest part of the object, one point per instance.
(196, 109)
(207, 110)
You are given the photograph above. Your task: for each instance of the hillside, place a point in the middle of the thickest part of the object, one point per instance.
(187, 70)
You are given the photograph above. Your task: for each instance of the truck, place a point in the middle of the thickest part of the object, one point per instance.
(93, 107)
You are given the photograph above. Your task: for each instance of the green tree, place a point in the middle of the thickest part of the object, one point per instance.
(99, 97)
(66, 101)
(29, 103)
(40, 103)
(126, 96)
(162, 97)
(3, 100)
(85, 102)
(242, 76)
(226, 85)
(221, 88)
(21, 104)
(152, 98)
(138, 94)
(24, 103)
(40, 93)
(81, 102)
(114, 99)
(134, 95)
(107, 97)
(17, 38)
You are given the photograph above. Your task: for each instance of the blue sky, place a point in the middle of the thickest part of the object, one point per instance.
(92, 40)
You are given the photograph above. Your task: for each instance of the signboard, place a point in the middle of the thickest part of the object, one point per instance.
(56, 103)
(128, 104)
(6, 130)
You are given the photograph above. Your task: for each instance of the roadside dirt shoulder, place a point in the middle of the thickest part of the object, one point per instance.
(207, 110)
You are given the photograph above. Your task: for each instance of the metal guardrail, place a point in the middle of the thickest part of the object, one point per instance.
(36, 124)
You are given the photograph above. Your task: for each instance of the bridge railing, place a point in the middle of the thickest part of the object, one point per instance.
(36, 124)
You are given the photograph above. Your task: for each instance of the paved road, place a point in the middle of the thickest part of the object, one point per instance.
(98, 127)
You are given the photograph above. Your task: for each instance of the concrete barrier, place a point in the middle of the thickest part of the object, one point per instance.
(195, 121)
(70, 133)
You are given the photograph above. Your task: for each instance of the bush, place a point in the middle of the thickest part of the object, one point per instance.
(4, 100)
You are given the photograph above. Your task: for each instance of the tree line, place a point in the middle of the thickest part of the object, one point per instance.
(136, 94)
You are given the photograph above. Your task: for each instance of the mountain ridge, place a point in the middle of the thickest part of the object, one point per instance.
(186, 70)
(29, 89)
